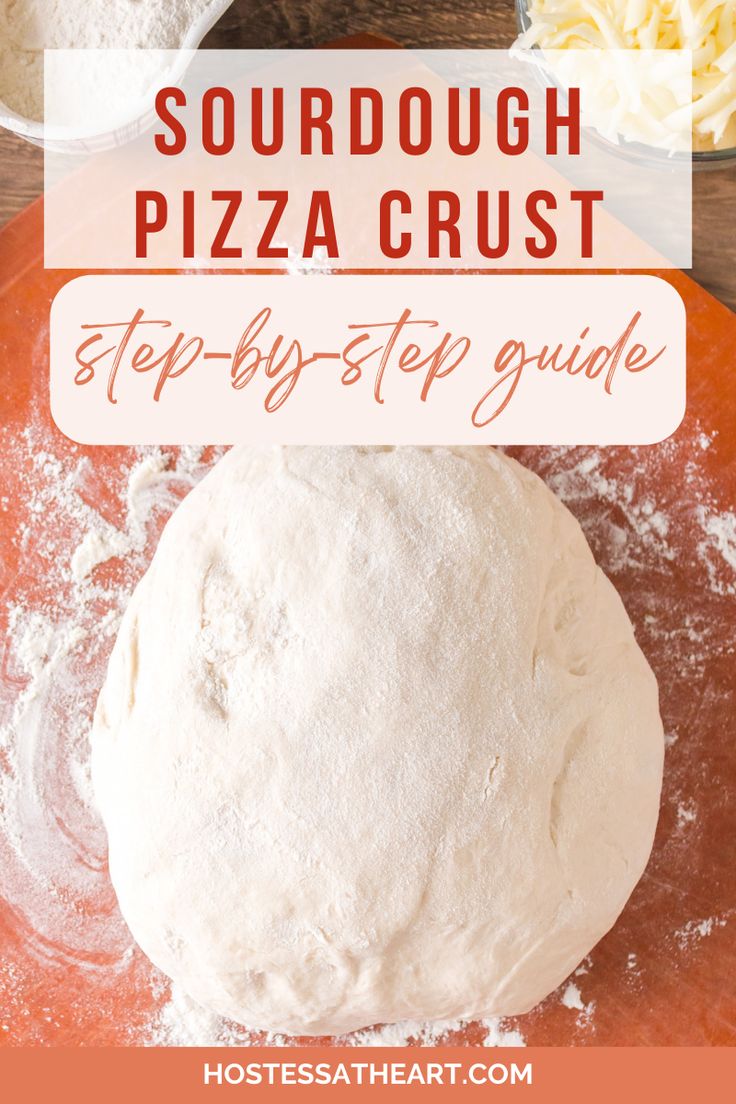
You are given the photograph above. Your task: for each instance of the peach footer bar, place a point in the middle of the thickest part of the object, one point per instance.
(547, 1074)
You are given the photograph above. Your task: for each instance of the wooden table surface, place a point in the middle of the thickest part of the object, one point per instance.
(435, 24)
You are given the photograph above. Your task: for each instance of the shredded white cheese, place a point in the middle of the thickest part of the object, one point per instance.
(705, 27)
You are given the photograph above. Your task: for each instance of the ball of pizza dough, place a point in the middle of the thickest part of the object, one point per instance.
(376, 741)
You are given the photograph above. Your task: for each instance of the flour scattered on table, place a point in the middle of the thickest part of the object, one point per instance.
(718, 549)
(182, 1022)
(499, 1036)
(571, 997)
(686, 814)
(696, 930)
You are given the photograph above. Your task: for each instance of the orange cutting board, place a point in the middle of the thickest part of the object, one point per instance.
(661, 522)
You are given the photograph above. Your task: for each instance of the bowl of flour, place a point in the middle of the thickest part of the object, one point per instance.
(111, 90)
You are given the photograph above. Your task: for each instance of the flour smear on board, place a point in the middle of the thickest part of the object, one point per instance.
(87, 535)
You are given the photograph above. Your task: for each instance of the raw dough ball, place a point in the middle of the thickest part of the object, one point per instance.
(376, 741)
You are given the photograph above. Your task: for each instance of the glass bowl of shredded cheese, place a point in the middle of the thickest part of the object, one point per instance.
(650, 116)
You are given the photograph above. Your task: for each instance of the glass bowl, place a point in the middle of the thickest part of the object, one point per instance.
(701, 159)
(60, 140)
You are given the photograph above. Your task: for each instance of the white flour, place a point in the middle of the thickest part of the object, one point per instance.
(88, 535)
(695, 930)
(719, 544)
(571, 997)
(27, 27)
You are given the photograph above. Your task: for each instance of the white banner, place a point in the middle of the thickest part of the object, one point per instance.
(389, 359)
